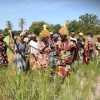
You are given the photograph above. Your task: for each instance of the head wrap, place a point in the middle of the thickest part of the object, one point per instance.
(22, 34)
(56, 35)
(64, 30)
(81, 34)
(51, 33)
(44, 32)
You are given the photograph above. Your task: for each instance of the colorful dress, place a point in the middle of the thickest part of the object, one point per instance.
(64, 68)
(34, 55)
(3, 55)
(43, 58)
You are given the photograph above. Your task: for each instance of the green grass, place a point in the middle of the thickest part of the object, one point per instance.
(33, 85)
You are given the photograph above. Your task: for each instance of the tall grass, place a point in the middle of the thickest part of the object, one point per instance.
(33, 85)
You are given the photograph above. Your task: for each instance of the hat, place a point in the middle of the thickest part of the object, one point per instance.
(64, 30)
(44, 32)
(81, 34)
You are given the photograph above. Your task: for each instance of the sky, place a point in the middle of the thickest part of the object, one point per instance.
(50, 11)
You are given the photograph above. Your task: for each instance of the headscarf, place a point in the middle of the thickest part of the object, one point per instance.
(22, 34)
(81, 34)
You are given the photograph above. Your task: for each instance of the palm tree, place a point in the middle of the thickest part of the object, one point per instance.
(22, 23)
(9, 25)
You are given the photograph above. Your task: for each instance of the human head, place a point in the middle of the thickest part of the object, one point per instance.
(55, 36)
(98, 38)
(63, 37)
(33, 37)
(22, 35)
(73, 34)
(91, 33)
(80, 34)
(1, 37)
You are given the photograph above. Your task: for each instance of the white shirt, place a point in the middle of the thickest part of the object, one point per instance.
(35, 45)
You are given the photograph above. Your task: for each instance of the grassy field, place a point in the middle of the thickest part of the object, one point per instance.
(83, 84)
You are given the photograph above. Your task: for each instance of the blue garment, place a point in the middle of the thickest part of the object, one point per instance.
(19, 61)
(52, 58)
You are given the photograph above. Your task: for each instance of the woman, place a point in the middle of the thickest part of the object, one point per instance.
(33, 48)
(66, 54)
(3, 49)
(21, 50)
(43, 57)
(80, 47)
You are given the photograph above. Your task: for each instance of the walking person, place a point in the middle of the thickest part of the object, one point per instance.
(21, 50)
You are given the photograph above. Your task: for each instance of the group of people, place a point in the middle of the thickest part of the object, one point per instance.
(50, 50)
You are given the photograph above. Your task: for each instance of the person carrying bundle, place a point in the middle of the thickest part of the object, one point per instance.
(66, 54)
(44, 48)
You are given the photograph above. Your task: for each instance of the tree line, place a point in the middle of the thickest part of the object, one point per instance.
(85, 24)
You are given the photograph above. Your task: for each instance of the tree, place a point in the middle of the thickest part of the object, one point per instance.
(36, 27)
(1, 31)
(9, 25)
(22, 23)
(75, 26)
(89, 21)
(56, 28)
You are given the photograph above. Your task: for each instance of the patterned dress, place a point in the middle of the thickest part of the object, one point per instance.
(3, 55)
(34, 55)
(64, 68)
(43, 58)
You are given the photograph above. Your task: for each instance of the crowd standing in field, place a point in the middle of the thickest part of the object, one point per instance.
(50, 50)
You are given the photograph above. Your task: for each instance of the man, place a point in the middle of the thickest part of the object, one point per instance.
(72, 38)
